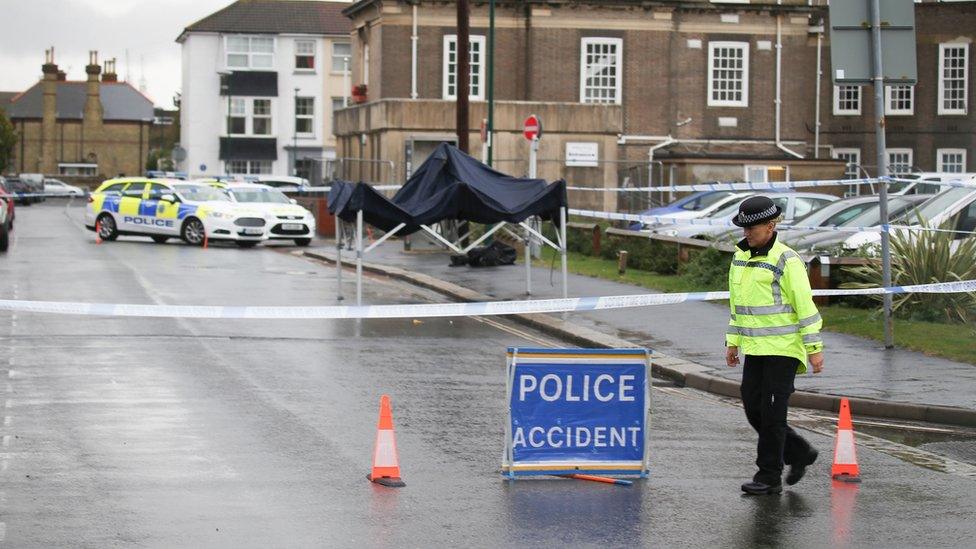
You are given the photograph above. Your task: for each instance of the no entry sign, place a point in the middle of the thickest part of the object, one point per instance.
(532, 128)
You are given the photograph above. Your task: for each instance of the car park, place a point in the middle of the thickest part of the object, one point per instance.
(34, 183)
(7, 196)
(792, 204)
(691, 203)
(820, 241)
(832, 215)
(283, 182)
(955, 207)
(710, 209)
(288, 220)
(925, 182)
(164, 209)
(24, 192)
(60, 188)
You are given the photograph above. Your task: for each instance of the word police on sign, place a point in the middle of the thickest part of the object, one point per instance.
(585, 155)
(577, 411)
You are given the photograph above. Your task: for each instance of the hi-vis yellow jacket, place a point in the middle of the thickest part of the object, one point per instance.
(771, 303)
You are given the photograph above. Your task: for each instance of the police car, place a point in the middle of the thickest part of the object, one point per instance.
(286, 219)
(164, 209)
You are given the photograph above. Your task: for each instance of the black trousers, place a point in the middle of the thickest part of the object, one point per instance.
(767, 383)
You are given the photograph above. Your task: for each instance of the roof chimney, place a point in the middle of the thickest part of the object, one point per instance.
(109, 75)
(93, 69)
(49, 68)
(93, 101)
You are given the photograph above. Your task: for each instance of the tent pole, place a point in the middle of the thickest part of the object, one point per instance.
(339, 261)
(562, 231)
(528, 263)
(359, 257)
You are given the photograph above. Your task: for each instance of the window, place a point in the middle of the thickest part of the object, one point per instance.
(966, 222)
(366, 64)
(69, 168)
(134, 190)
(304, 115)
(953, 78)
(248, 167)
(951, 160)
(600, 70)
(249, 52)
(476, 47)
(305, 55)
(339, 103)
(898, 99)
(728, 81)
(853, 159)
(899, 161)
(156, 191)
(847, 100)
(341, 56)
(115, 189)
(805, 205)
(237, 123)
(261, 123)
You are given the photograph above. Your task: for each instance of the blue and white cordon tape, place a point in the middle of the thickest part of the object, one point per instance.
(427, 310)
(781, 185)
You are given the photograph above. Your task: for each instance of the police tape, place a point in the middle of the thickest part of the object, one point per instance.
(428, 310)
(708, 222)
(776, 185)
(18, 196)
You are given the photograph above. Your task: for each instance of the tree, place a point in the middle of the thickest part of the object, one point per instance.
(8, 139)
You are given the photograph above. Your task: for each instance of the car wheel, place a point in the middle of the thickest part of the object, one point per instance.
(303, 241)
(4, 237)
(193, 232)
(246, 243)
(106, 227)
(159, 239)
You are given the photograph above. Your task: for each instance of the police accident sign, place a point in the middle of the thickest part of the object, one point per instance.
(577, 411)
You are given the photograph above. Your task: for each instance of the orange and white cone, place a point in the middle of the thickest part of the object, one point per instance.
(98, 232)
(386, 464)
(845, 466)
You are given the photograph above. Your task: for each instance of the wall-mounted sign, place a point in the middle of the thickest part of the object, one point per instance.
(582, 155)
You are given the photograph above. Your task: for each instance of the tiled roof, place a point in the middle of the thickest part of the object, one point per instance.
(276, 17)
(120, 101)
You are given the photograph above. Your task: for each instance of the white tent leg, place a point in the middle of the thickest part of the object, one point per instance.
(528, 263)
(562, 232)
(359, 257)
(339, 261)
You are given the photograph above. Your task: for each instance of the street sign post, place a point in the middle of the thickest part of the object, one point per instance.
(532, 130)
(577, 411)
(873, 42)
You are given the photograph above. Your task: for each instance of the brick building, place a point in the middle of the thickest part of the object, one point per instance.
(94, 128)
(929, 126)
(688, 89)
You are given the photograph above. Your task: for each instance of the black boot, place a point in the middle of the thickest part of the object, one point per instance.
(797, 470)
(756, 488)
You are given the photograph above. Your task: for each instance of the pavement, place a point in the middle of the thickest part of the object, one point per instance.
(688, 338)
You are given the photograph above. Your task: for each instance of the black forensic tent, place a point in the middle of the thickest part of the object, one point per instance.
(450, 185)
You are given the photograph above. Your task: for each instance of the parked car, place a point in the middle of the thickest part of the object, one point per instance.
(23, 191)
(691, 203)
(956, 206)
(792, 203)
(4, 226)
(832, 215)
(715, 206)
(6, 195)
(58, 187)
(164, 209)
(35, 185)
(827, 240)
(283, 182)
(291, 221)
(925, 182)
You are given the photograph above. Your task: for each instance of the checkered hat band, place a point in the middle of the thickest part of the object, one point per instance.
(771, 211)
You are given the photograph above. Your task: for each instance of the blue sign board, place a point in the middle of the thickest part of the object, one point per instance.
(577, 411)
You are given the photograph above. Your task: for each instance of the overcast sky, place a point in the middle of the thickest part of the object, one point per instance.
(147, 29)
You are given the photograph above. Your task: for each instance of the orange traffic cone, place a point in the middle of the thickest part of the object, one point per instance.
(845, 457)
(98, 232)
(386, 465)
(204, 239)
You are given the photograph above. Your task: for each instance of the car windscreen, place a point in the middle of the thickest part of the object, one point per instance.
(939, 203)
(704, 201)
(201, 193)
(872, 217)
(267, 196)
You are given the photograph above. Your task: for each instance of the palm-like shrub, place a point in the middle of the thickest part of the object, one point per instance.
(925, 257)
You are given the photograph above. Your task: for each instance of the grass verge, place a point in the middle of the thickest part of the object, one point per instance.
(952, 341)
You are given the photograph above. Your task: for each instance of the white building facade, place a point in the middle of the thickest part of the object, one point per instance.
(259, 90)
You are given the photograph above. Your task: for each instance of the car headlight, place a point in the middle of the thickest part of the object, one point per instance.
(221, 215)
(669, 232)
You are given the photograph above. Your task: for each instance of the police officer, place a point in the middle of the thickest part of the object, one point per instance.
(776, 326)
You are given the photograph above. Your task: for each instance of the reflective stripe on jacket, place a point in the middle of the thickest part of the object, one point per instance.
(772, 306)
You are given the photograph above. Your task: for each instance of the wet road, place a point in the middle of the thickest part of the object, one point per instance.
(162, 433)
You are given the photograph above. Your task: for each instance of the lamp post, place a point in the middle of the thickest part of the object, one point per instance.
(225, 91)
(294, 138)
